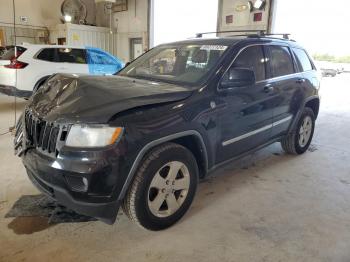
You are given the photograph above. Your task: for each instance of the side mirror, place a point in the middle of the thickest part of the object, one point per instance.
(238, 77)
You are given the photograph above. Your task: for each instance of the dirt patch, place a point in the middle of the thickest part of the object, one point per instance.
(312, 148)
(29, 225)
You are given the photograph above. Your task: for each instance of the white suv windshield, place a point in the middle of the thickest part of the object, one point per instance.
(186, 64)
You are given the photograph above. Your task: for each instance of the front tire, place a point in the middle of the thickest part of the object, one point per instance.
(164, 187)
(300, 139)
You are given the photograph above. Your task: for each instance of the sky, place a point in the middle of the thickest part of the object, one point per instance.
(323, 30)
(185, 19)
(319, 25)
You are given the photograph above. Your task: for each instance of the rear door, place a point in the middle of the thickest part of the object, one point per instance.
(307, 67)
(42, 65)
(287, 84)
(246, 119)
(72, 61)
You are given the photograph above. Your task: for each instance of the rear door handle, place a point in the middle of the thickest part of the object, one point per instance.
(268, 88)
(301, 81)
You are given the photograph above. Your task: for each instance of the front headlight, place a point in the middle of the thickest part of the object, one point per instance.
(93, 135)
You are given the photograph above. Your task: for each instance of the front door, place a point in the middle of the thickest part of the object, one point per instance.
(101, 63)
(246, 119)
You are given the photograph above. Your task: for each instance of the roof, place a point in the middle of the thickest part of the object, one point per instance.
(232, 40)
(27, 45)
(210, 41)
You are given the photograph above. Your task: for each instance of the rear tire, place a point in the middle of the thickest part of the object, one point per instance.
(164, 187)
(300, 139)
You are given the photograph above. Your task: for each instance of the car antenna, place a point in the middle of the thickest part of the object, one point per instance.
(12, 129)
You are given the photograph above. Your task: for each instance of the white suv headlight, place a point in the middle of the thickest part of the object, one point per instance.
(93, 135)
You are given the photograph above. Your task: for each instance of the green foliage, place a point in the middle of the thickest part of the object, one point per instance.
(331, 58)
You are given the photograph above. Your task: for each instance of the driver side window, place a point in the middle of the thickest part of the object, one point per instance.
(252, 58)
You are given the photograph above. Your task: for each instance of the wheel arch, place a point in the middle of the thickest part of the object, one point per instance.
(190, 139)
(40, 82)
(312, 102)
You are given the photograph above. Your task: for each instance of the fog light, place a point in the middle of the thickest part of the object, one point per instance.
(77, 183)
(85, 182)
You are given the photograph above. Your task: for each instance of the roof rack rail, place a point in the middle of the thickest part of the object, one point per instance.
(284, 35)
(258, 33)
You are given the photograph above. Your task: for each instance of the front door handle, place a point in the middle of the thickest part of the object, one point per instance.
(301, 81)
(268, 88)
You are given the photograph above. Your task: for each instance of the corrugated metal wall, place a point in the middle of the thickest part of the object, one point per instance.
(98, 39)
(82, 35)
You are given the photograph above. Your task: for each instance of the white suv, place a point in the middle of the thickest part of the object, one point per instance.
(32, 65)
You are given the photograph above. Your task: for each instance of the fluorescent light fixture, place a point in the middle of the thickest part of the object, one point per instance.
(67, 18)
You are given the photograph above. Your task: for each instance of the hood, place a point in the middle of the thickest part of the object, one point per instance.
(96, 99)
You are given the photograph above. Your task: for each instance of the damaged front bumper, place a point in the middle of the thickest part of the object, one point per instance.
(80, 184)
(88, 181)
(67, 186)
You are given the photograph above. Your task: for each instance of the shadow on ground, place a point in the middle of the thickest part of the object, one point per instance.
(34, 213)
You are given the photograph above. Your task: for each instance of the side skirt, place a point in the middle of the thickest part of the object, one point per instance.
(278, 139)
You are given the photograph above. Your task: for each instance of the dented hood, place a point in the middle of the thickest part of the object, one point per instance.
(95, 99)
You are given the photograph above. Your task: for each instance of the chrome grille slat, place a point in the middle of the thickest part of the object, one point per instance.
(46, 137)
(41, 134)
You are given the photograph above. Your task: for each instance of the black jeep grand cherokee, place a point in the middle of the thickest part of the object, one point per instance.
(143, 138)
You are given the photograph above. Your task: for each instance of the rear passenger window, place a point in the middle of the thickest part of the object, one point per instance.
(281, 61)
(72, 55)
(47, 54)
(303, 60)
(252, 58)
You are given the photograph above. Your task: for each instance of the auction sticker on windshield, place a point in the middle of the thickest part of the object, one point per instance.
(214, 47)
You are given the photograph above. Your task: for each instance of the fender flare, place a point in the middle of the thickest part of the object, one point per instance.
(300, 111)
(157, 142)
(39, 82)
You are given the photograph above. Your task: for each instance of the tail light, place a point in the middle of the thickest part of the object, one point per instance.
(15, 64)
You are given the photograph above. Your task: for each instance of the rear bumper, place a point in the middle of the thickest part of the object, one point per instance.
(13, 91)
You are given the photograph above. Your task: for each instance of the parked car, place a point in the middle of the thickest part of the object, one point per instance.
(32, 65)
(327, 69)
(328, 72)
(340, 69)
(143, 138)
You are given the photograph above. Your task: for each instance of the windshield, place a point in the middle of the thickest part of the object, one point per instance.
(178, 64)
